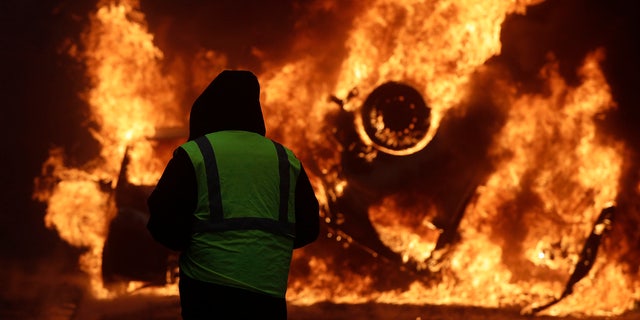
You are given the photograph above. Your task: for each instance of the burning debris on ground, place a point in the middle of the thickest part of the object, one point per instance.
(473, 159)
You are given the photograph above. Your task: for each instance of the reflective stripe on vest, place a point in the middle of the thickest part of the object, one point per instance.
(217, 222)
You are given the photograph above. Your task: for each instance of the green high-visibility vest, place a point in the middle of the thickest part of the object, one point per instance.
(245, 216)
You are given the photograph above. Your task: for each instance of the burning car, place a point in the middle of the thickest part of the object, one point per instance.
(443, 177)
(130, 253)
(394, 121)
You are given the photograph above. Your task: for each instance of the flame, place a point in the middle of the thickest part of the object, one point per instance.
(548, 148)
(128, 99)
(443, 41)
(554, 172)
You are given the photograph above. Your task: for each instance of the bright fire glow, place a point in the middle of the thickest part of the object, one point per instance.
(128, 99)
(548, 150)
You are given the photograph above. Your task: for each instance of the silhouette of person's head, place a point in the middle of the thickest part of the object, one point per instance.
(230, 102)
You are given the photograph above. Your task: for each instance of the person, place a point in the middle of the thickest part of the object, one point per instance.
(235, 204)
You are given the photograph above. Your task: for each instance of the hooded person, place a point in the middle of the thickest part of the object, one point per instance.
(235, 204)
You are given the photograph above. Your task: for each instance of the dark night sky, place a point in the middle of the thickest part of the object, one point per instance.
(40, 85)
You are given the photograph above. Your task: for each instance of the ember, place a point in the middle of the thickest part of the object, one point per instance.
(447, 176)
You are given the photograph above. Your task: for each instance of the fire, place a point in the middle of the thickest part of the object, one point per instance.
(442, 42)
(128, 99)
(520, 233)
(571, 179)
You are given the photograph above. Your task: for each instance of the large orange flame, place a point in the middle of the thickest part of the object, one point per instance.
(548, 150)
(129, 98)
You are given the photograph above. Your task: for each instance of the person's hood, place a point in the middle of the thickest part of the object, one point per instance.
(230, 102)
